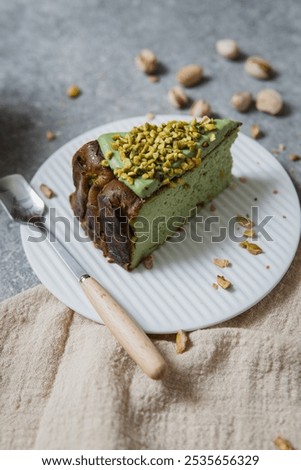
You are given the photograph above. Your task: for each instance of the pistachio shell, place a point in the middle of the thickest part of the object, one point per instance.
(181, 341)
(255, 131)
(283, 444)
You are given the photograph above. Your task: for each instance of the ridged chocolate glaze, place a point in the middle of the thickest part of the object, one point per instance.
(103, 204)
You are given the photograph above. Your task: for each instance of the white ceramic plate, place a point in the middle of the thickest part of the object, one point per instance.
(177, 293)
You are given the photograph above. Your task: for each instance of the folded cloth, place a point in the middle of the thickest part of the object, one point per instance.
(66, 383)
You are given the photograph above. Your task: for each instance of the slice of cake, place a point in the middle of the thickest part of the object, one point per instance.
(134, 190)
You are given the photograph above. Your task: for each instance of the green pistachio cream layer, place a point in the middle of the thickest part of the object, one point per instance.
(172, 168)
(151, 156)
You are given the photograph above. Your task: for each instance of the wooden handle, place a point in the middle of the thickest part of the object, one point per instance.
(126, 331)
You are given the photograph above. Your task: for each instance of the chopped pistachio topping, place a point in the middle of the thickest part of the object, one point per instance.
(162, 152)
(245, 222)
(222, 263)
(109, 155)
(249, 233)
(223, 282)
(251, 247)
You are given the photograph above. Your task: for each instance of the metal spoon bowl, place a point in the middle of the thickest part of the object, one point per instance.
(20, 201)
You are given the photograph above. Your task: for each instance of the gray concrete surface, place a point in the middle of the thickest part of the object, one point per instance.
(48, 45)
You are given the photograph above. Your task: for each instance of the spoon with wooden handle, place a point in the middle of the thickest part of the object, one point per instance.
(25, 206)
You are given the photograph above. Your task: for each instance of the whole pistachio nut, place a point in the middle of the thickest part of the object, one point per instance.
(242, 101)
(177, 97)
(147, 61)
(190, 75)
(200, 108)
(227, 48)
(269, 101)
(258, 67)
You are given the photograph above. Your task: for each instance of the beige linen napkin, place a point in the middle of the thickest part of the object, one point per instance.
(66, 384)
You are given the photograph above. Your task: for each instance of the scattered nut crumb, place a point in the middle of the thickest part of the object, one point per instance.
(153, 78)
(222, 263)
(48, 192)
(251, 248)
(190, 75)
(275, 191)
(249, 233)
(148, 262)
(223, 282)
(294, 157)
(200, 108)
(212, 208)
(50, 135)
(256, 132)
(242, 101)
(227, 48)
(150, 116)
(73, 91)
(177, 97)
(267, 266)
(242, 179)
(244, 221)
(147, 61)
(214, 285)
(283, 444)
(181, 341)
(258, 67)
(279, 149)
(269, 101)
